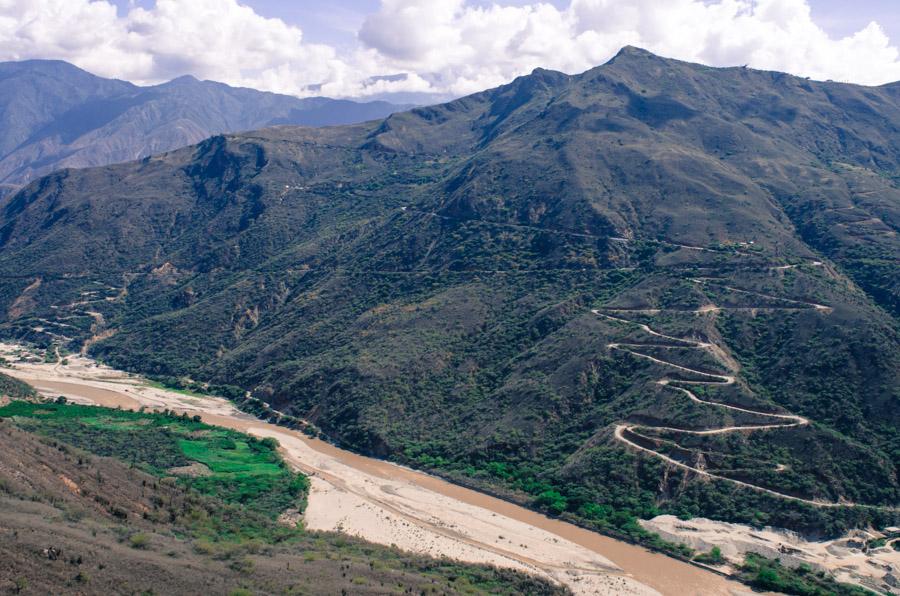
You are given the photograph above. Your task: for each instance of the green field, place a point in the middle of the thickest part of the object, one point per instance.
(220, 529)
(240, 469)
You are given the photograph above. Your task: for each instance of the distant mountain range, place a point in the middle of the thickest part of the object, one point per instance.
(54, 115)
(651, 287)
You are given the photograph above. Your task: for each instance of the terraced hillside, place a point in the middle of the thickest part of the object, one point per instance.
(654, 286)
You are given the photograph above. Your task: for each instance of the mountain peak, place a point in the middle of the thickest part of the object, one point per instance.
(184, 80)
(46, 67)
(49, 108)
(633, 52)
(479, 250)
(39, 63)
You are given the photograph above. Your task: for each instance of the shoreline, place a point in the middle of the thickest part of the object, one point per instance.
(392, 504)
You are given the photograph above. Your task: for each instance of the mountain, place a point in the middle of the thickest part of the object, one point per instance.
(651, 287)
(54, 115)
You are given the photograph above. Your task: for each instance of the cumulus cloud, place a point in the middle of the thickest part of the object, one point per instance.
(216, 39)
(442, 46)
(475, 45)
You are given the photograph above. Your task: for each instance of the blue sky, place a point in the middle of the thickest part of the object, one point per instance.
(843, 17)
(336, 21)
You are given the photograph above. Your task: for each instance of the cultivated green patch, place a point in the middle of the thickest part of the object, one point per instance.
(244, 470)
(421, 289)
(120, 514)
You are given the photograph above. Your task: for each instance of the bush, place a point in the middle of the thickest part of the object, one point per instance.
(552, 501)
(242, 566)
(140, 541)
(713, 557)
(767, 574)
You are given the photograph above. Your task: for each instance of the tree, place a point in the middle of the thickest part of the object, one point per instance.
(553, 501)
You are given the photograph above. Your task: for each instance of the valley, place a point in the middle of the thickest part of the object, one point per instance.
(393, 505)
(651, 291)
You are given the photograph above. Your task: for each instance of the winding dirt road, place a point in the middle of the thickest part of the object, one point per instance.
(782, 421)
(390, 504)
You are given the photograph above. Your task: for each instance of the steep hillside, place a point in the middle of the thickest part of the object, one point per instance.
(14, 388)
(54, 115)
(654, 286)
(109, 520)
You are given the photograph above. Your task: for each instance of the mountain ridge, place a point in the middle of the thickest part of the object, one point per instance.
(422, 287)
(57, 115)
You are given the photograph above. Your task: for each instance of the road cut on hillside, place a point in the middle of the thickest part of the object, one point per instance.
(391, 504)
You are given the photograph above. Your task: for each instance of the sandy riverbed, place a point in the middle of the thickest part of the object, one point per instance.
(847, 558)
(390, 504)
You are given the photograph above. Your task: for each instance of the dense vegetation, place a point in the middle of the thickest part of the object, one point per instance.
(766, 574)
(235, 468)
(421, 288)
(123, 512)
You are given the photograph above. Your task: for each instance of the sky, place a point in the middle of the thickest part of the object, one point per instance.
(367, 48)
(337, 21)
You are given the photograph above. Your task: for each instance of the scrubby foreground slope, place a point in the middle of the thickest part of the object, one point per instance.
(653, 286)
(14, 388)
(78, 523)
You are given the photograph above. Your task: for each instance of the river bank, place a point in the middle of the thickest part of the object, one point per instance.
(390, 504)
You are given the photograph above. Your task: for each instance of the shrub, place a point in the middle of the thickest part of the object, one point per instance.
(242, 566)
(20, 585)
(553, 501)
(140, 541)
(713, 557)
(270, 443)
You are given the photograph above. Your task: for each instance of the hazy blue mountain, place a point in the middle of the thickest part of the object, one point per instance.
(54, 115)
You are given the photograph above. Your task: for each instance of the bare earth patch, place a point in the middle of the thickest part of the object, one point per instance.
(70, 484)
(193, 470)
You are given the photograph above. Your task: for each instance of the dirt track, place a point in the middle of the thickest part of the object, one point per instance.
(622, 431)
(390, 504)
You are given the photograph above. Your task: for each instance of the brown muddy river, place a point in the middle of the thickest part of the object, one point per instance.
(391, 504)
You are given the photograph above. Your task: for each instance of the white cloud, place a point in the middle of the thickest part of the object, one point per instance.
(497, 43)
(445, 46)
(215, 39)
